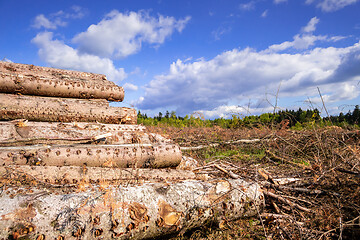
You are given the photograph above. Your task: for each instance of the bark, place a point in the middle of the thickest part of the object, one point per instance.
(17, 133)
(54, 176)
(144, 211)
(121, 156)
(49, 109)
(43, 81)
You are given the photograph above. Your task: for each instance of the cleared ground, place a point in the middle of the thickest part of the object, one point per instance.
(318, 196)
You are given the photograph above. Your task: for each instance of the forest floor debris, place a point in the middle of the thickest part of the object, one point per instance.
(310, 179)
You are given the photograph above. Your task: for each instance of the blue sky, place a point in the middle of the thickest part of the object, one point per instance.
(215, 57)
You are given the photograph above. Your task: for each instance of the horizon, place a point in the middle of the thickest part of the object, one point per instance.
(198, 56)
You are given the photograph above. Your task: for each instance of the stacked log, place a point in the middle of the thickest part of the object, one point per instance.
(73, 167)
(48, 98)
(42, 81)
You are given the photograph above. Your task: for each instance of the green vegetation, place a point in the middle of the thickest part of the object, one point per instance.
(286, 118)
(237, 154)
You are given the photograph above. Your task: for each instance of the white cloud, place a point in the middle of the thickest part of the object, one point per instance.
(233, 75)
(265, 13)
(6, 60)
(279, 1)
(122, 34)
(43, 22)
(130, 87)
(220, 31)
(57, 54)
(311, 26)
(331, 5)
(248, 6)
(300, 42)
(227, 111)
(306, 39)
(55, 20)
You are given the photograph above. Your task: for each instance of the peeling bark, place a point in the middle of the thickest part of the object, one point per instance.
(49, 109)
(19, 133)
(149, 210)
(51, 82)
(121, 156)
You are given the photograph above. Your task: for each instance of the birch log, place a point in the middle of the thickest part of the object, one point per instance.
(50, 109)
(17, 133)
(74, 175)
(150, 210)
(51, 82)
(121, 156)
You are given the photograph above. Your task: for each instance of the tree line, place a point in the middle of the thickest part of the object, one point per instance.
(291, 118)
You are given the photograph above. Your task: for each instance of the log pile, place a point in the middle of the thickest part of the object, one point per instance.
(73, 167)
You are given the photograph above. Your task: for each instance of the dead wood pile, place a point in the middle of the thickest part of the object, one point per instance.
(310, 179)
(70, 169)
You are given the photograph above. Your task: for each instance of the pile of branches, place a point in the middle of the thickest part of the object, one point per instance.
(324, 201)
(310, 178)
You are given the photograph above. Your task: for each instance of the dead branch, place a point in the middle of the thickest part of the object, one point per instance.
(273, 195)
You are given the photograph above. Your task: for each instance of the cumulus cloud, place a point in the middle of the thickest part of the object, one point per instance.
(130, 87)
(331, 5)
(300, 42)
(311, 26)
(227, 111)
(43, 22)
(232, 76)
(57, 54)
(122, 34)
(58, 19)
(116, 35)
(305, 39)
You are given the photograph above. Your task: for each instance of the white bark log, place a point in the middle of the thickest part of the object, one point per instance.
(42, 81)
(121, 156)
(17, 133)
(74, 175)
(50, 109)
(122, 212)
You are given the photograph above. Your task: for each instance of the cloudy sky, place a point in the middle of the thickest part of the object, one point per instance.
(216, 57)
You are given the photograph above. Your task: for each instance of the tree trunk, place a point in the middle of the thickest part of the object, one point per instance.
(54, 176)
(128, 211)
(51, 82)
(49, 109)
(121, 156)
(17, 133)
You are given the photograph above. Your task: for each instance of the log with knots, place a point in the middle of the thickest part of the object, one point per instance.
(74, 167)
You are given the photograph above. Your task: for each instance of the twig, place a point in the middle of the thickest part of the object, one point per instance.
(348, 223)
(322, 100)
(273, 195)
(280, 159)
(230, 173)
(357, 174)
